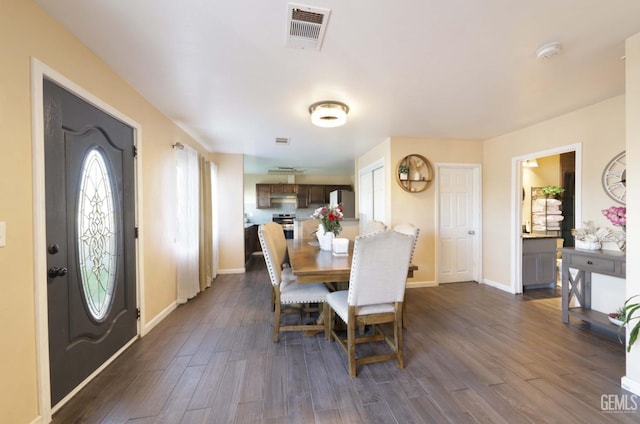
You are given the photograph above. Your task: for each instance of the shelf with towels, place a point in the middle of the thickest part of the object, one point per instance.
(546, 213)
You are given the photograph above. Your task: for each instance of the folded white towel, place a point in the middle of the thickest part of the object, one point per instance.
(548, 202)
(551, 210)
(547, 219)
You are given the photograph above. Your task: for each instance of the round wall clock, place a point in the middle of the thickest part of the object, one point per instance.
(614, 178)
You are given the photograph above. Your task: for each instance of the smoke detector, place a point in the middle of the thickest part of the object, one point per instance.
(548, 50)
(306, 26)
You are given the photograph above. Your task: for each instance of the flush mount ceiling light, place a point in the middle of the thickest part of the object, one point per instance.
(328, 113)
(530, 163)
(548, 50)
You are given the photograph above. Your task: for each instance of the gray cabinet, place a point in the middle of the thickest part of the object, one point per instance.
(586, 262)
(538, 262)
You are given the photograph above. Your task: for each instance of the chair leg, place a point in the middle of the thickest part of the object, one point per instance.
(351, 341)
(326, 311)
(276, 322)
(397, 329)
(404, 316)
(273, 299)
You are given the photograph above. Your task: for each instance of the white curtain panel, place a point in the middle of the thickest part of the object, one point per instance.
(187, 233)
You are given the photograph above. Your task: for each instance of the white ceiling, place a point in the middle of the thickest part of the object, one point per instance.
(463, 69)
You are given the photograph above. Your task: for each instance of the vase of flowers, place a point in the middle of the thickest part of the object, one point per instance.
(617, 215)
(329, 226)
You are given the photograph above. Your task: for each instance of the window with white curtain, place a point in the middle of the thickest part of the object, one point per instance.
(187, 233)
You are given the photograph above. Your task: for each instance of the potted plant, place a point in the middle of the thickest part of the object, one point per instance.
(552, 191)
(403, 172)
(628, 313)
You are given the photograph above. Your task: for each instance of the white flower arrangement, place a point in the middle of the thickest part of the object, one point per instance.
(589, 232)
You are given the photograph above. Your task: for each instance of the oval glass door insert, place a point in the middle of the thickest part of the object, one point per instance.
(96, 234)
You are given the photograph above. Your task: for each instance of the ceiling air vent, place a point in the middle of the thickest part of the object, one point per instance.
(282, 140)
(306, 26)
(285, 170)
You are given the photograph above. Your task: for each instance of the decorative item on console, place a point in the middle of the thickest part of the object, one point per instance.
(590, 237)
(617, 215)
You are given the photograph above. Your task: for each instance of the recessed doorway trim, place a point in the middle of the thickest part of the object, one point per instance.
(516, 205)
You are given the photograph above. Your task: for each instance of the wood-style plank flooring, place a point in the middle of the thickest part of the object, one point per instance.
(473, 354)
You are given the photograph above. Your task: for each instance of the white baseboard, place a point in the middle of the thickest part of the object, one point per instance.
(498, 286)
(232, 271)
(417, 284)
(630, 385)
(158, 318)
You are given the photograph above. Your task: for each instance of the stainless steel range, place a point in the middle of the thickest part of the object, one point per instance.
(286, 220)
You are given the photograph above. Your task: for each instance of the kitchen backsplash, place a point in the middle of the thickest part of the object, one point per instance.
(261, 216)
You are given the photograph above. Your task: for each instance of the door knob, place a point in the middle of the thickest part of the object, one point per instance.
(54, 272)
(471, 232)
(53, 248)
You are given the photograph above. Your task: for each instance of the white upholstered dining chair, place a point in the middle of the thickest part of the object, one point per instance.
(373, 226)
(413, 232)
(286, 292)
(375, 296)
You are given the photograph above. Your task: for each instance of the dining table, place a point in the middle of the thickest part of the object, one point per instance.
(310, 264)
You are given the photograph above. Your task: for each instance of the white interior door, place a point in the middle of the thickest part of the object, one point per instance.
(378, 194)
(371, 188)
(458, 223)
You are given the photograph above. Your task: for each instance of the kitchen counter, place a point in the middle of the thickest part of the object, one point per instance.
(538, 236)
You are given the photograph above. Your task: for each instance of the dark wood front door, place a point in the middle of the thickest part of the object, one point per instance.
(90, 204)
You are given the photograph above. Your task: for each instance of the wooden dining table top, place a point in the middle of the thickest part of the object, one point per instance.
(312, 265)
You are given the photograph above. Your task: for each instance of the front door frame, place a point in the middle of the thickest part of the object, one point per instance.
(516, 205)
(38, 72)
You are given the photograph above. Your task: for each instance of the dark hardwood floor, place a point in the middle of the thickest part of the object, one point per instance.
(473, 354)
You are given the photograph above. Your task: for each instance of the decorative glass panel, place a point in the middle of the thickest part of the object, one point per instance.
(96, 234)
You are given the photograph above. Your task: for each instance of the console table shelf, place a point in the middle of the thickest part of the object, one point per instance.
(587, 262)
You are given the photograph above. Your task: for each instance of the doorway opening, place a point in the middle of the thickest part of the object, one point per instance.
(560, 167)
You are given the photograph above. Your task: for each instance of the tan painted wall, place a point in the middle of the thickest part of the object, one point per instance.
(25, 32)
(230, 214)
(601, 130)
(633, 190)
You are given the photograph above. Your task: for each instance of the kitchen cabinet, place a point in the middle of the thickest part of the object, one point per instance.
(250, 241)
(538, 262)
(306, 194)
(283, 188)
(302, 199)
(263, 196)
(316, 194)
